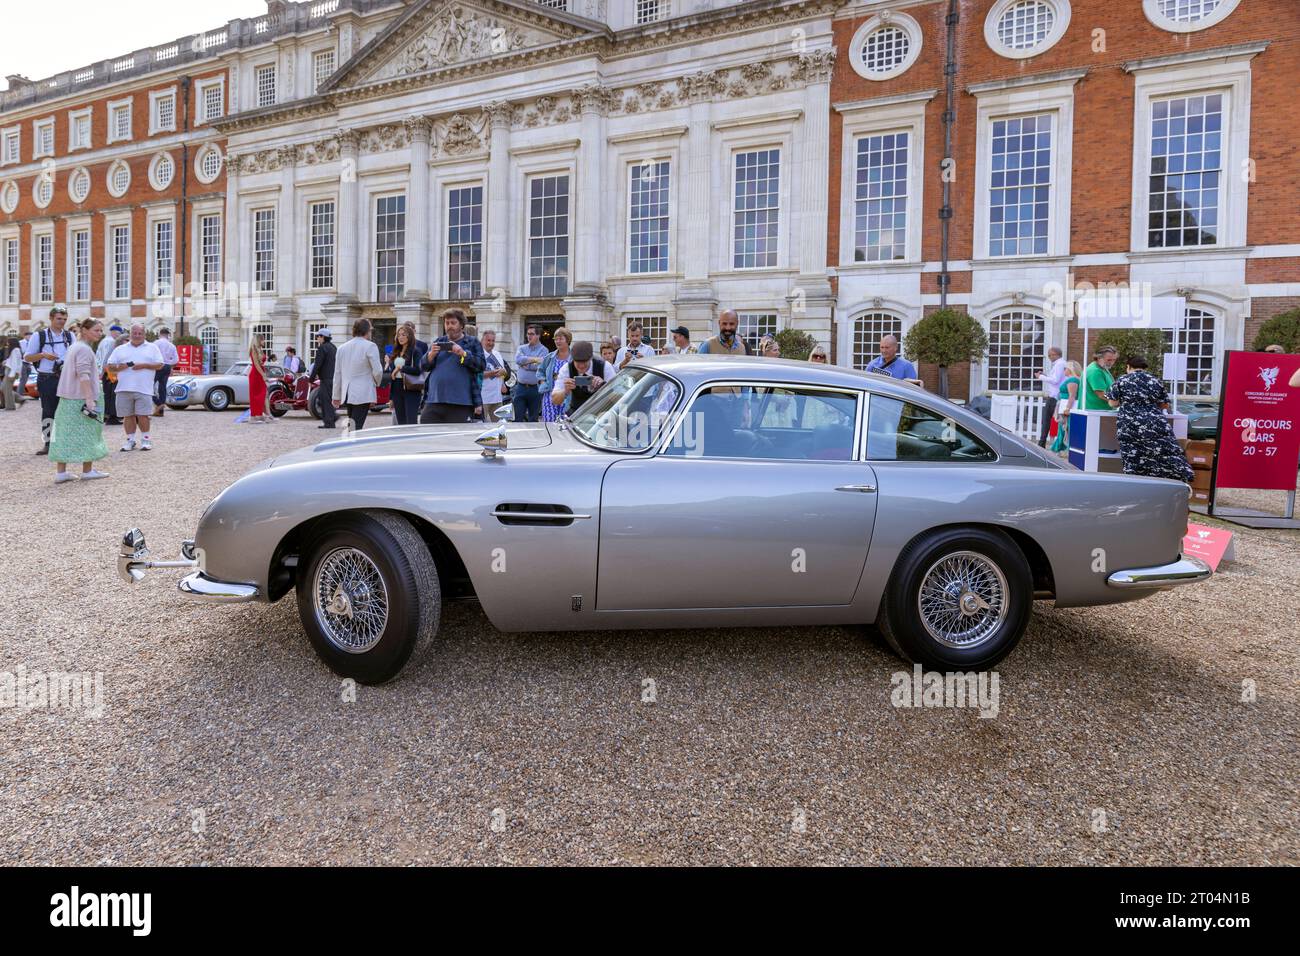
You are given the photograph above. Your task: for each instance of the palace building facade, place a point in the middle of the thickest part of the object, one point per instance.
(841, 167)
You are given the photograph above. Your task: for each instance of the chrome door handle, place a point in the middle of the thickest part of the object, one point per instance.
(863, 489)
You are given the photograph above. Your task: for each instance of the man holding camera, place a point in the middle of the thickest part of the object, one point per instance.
(577, 379)
(134, 363)
(453, 363)
(45, 349)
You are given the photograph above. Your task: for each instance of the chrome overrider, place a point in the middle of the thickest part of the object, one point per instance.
(1186, 570)
(133, 561)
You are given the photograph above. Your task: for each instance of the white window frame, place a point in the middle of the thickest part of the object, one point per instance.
(571, 234)
(11, 134)
(1195, 74)
(650, 159)
(1033, 387)
(200, 155)
(81, 172)
(312, 202)
(1152, 10)
(743, 314)
(1060, 24)
(889, 18)
(45, 232)
(201, 214)
(201, 87)
(42, 178)
(114, 107)
(9, 197)
(446, 244)
(373, 229)
(109, 177)
(10, 271)
(317, 79)
(848, 352)
(257, 216)
(110, 259)
(775, 133)
(152, 224)
(271, 68)
(156, 97)
(154, 163)
(75, 118)
(999, 100)
(899, 114)
(76, 228)
(40, 128)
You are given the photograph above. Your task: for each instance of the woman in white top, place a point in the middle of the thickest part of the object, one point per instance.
(10, 386)
(78, 433)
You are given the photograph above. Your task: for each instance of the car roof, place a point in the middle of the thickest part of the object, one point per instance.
(695, 370)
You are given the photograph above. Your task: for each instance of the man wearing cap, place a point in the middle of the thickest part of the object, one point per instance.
(46, 349)
(106, 345)
(726, 342)
(323, 369)
(170, 357)
(681, 342)
(577, 379)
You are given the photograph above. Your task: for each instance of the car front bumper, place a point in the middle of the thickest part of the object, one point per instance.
(205, 588)
(134, 560)
(1186, 570)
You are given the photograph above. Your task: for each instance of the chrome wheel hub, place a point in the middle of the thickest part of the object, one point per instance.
(351, 600)
(963, 599)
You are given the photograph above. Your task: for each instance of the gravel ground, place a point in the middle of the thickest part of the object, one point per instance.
(764, 746)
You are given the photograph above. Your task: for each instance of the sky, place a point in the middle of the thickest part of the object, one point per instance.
(41, 39)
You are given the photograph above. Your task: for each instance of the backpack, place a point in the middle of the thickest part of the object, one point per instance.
(46, 340)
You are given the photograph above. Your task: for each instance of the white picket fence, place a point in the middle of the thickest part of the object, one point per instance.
(1020, 412)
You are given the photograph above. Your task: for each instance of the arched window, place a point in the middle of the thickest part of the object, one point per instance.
(1017, 351)
(210, 336)
(1196, 341)
(868, 329)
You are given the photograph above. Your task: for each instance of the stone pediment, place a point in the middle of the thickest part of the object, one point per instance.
(441, 34)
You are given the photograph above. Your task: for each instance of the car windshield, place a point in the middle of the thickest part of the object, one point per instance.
(629, 413)
(239, 368)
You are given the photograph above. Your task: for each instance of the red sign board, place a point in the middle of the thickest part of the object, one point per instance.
(1211, 545)
(189, 360)
(1259, 422)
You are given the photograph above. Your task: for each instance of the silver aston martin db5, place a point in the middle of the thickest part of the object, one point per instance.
(689, 491)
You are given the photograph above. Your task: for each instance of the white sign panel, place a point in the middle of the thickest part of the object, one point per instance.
(1129, 309)
(1175, 367)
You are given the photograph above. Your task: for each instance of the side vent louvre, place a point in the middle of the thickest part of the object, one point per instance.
(521, 513)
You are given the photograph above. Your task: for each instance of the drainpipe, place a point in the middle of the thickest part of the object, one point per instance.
(949, 121)
(183, 223)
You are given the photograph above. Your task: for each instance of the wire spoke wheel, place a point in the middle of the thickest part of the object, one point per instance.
(351, 601)
(963, 599)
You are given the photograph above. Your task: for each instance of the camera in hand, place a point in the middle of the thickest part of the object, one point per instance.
(90, 413)
(582, 381)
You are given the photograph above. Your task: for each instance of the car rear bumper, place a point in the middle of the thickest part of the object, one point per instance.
(1186, 570)
(205, 588)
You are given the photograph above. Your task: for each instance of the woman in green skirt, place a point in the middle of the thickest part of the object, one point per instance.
(78, 433)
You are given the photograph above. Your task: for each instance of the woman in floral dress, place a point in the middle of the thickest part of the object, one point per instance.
(76, 436)
(550, 368)
(1146, 440)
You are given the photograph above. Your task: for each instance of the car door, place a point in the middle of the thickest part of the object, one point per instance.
(758, 499)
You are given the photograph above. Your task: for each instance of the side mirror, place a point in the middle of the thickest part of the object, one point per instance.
(505, 413)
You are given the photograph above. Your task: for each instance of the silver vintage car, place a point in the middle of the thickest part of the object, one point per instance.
(689, 491)
(217, 392)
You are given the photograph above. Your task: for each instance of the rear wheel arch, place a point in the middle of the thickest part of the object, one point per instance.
(1039, 564)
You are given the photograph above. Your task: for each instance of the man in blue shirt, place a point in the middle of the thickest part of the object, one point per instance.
(453, 363)
(889, 362)
(529, 359)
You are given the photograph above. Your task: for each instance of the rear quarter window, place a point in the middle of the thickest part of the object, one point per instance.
(903, 431)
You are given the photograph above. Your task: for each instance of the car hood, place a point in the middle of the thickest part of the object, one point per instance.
(415, 440)
(198, 379)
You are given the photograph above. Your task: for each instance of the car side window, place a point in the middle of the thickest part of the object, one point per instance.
(768, 422)
(902, 431)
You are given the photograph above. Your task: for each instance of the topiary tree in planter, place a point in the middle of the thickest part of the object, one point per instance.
(1283, 330)
(186, 340)
(795, 344)
(944, 338)
(1148, 343)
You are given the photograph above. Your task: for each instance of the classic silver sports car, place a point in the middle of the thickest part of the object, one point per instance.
(689, 491)
(216, 392)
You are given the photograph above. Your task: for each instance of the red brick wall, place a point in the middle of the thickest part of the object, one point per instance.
(1103, 121)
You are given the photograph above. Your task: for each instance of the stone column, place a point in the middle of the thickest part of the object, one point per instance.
(696, 300)
(417, 210)
(284, 314)
(811, 300)
(232, 306)
(343, 308)
(493, 308)
(587, 308)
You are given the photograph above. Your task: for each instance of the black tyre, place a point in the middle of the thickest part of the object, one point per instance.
(279, 401)
(368, 596)
(959, 599)
(313, 402)
(218, 399)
